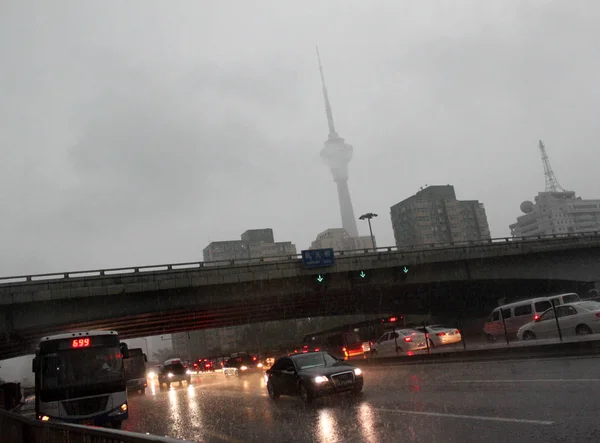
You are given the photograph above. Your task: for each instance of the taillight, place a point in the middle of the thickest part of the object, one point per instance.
(457, 332)
(316, 349)
(440, 334)
(407, 339)
(597, 314)
(426, 335)
(535, 317)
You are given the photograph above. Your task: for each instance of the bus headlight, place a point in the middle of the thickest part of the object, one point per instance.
(120, 410)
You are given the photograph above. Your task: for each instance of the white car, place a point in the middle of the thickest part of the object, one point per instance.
(579, 318)
(440, 335)
(399, 341)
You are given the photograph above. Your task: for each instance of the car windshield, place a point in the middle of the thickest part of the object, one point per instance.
(314, 360)
(80, 367)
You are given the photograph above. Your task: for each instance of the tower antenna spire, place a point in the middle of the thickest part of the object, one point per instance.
(552, 184)
(328, 111)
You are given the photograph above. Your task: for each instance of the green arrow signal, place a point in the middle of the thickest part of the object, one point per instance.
(362, 274)
(405, 270)
(320, 278)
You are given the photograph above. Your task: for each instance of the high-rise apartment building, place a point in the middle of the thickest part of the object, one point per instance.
(180, 345)
(434, 215)
(556, 211)
(254, 243)
(559, 212)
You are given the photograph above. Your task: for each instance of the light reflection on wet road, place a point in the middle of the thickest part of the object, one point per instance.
(536, 400)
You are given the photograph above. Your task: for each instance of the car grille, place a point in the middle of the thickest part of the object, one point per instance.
(343, 379)
(86, 406)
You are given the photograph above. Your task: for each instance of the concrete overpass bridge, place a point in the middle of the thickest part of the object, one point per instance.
(149, 300)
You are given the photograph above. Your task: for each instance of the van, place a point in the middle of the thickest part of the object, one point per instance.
(515, 315)
(561, 299)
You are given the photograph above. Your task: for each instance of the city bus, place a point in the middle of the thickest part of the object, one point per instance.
(79, 378)
(350, 341)
(355, 340)
(135, 371)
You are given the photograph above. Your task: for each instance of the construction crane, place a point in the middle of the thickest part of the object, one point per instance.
(552, 184)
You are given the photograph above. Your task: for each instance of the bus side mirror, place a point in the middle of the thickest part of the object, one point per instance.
(145, 358)
(124, 350)
(34, 365)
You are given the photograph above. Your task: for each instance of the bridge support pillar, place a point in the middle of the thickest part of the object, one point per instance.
(6, 326)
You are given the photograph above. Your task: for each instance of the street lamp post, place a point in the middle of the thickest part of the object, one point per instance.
(368, 216)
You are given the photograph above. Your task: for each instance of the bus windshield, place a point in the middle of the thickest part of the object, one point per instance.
(81, 367)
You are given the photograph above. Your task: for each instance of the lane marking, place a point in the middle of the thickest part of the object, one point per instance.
(533, 380)
(468, 417)
(222, 437)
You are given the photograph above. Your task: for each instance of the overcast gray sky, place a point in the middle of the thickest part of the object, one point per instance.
(135, 132)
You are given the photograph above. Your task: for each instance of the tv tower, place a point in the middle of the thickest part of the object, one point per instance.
(552, 184)
(337, 154)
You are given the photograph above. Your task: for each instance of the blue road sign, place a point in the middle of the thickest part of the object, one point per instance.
(318, 258)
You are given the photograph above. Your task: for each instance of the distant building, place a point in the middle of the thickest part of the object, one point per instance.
(434, 215)
(254, 243)
(559, 212)
(180, 345)
(340, 240)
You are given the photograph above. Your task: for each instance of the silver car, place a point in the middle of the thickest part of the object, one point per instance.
(400, 341)
(440, 335)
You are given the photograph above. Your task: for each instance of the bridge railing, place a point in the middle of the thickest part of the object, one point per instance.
(262, 260)
(15, 428)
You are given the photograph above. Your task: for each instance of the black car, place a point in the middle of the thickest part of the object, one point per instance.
(241, 365)
(312, 375)
(173, 371)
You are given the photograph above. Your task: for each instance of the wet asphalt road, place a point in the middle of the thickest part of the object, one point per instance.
(545, 400)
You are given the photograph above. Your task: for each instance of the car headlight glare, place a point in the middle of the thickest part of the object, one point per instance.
(320, 379)
(357, 371)
(243, 368)
(170, 375)
(259, 365)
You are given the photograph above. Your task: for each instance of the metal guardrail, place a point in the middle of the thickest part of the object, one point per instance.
(249, 261)
(18, 429)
